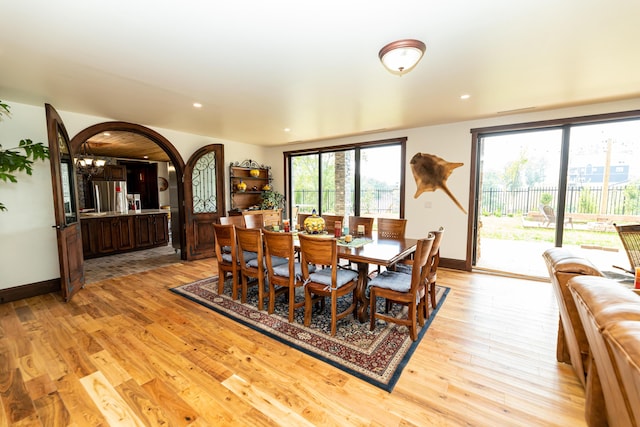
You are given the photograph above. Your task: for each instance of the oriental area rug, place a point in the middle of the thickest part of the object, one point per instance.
(377, 357)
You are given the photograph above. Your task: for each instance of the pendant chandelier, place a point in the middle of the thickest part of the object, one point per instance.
(87, 163)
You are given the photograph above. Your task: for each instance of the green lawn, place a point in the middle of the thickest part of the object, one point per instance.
(511, 228)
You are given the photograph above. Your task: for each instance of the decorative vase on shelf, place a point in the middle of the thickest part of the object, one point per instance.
(241, 186)
(314, 224)
(254, 173)
(266, 187)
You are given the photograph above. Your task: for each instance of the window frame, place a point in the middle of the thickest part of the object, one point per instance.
(356, 147)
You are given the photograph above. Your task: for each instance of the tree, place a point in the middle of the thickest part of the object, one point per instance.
(18, 159)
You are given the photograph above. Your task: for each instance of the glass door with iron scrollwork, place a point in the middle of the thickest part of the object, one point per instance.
(204, 199)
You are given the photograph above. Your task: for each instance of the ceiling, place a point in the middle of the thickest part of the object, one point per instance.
(259, 67)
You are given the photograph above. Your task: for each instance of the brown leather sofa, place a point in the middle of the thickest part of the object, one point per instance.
(610, 314)
(572, 346)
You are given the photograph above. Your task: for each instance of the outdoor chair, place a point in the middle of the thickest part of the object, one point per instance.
(630, 236)
(288, 275)
(330, 281)
(550, 216)
(409, 290)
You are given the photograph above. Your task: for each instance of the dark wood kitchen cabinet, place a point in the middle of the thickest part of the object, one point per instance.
(107, 235)
(111, 173)
(115, 234)
(151, 230)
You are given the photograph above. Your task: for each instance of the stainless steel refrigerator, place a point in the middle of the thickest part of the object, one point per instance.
(106, 196)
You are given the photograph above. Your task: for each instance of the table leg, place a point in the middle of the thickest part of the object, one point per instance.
(363, 301)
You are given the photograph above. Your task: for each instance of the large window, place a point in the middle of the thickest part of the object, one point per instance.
(364, 179)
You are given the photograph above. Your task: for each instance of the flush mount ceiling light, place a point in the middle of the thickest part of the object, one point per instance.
(401, 56)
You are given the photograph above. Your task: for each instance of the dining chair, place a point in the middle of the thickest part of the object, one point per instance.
(329, 281)
(252, 261)
(255, 220)
(433, 262)
(285, 275)
(409, 290)
(227, 256)
(330, 222)
(366, 222)
(391, 228)
(233, 219)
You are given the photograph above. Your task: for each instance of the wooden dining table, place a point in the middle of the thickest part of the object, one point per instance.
(377, 251)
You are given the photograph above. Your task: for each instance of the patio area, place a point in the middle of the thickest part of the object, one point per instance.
(510, 245)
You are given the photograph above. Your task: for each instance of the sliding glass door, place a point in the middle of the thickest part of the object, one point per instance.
(558, 186)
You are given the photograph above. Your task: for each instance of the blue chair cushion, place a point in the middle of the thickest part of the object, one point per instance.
(275, 260)
(393, 280)
(323, 276)
(282, 270)
(247, 256)
(404, 268)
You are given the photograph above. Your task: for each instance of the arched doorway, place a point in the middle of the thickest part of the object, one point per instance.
(175, 158)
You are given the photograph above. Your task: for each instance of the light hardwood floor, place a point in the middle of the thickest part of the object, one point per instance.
(127, 352)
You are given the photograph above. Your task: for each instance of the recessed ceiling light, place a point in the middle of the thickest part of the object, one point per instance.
(197, 105)
(106, 134)
(465, 96)
(286, 130)
(146, 157)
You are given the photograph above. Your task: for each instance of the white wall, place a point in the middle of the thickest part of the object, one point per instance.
(452, 142)
(28, 246)
(28, 249)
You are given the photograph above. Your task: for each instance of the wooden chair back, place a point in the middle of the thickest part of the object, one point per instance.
(355, 221)
(330, 222)
(421, 267)
(225, 241)
(318, 251)
(281, 245)
(234, 219)
(225, 244)
(253, 220)
(250, 241)
(391, 228)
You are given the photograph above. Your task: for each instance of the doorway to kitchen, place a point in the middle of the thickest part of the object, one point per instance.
(150, 157)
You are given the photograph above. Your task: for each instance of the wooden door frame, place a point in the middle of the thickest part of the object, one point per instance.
(162, 142)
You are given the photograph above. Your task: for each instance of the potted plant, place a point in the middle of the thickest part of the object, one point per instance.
(272, 199)
(20, 158)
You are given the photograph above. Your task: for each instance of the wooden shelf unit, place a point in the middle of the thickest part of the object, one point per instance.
(241, 171)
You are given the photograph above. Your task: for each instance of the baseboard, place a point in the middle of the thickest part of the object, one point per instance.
(30, 290)
(454, 264)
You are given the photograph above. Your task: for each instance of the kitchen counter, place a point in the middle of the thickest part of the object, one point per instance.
(85, 215)
(107, 233)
